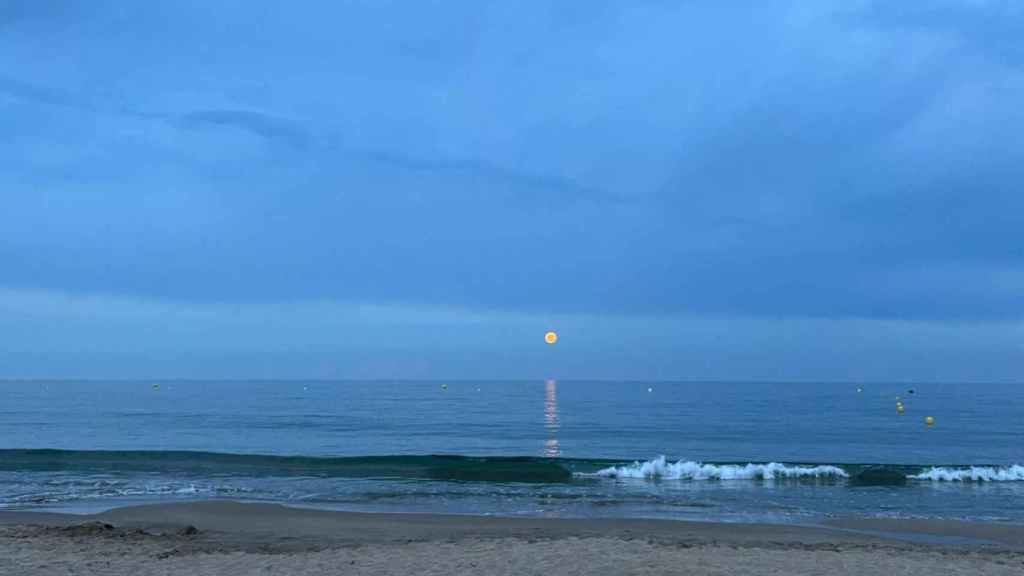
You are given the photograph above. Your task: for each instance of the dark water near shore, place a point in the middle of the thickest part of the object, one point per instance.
(732, 451)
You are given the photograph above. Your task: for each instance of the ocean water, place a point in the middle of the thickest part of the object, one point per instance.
(771, 452)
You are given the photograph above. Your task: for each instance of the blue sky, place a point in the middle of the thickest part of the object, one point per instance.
(784, 190)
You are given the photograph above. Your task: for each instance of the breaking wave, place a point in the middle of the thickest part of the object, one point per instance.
(1013, 473)
(855, 474)
(687, 470)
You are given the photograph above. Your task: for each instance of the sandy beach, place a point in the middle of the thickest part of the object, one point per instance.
(234, 538)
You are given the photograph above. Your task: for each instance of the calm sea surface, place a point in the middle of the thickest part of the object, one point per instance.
(783, 452)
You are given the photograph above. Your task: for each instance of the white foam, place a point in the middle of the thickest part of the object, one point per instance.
(153, 489)
(1013, 473)
(688, 470)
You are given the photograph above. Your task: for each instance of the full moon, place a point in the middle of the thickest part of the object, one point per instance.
(551, 337)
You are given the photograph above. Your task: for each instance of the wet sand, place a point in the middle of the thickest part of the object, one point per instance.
(233, 538)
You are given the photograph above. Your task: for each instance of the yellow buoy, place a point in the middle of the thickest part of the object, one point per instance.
(929, 421)
(551, 337)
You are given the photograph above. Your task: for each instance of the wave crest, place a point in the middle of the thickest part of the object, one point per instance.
(689, 470)
(1013, 473)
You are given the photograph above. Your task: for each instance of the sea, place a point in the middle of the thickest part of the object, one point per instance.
(780, 452)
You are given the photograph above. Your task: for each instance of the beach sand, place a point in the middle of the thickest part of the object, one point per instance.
(234, 538)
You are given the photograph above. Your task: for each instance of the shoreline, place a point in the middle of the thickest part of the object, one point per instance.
(226, 537)
(270, 520)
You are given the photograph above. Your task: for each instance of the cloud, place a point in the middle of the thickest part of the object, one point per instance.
(39, 94)
(992, 28)
(264, 125)
(825, 161)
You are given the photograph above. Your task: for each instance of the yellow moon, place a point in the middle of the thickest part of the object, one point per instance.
(551, 337)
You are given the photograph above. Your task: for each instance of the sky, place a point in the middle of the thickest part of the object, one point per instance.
(778, 190)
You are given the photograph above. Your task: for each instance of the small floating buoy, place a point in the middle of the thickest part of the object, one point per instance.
(929, 421)
(649, 389)
(859, 390)
(551, 337)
